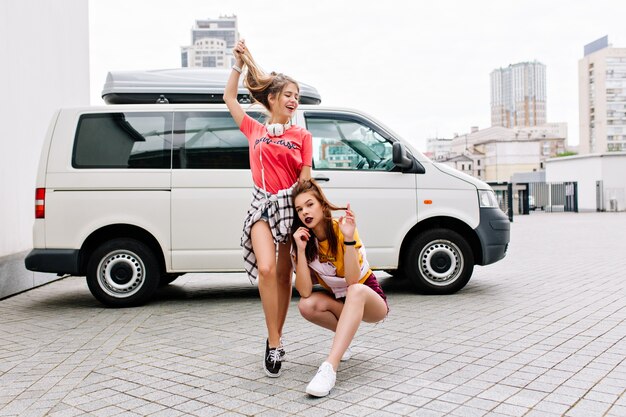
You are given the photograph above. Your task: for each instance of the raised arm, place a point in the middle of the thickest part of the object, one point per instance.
(352, 269)
(232, 85)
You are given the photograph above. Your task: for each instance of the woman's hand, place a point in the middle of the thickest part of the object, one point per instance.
(230, 91)
(347, 224)
(305, 174)
(238, 50)
(301, 236)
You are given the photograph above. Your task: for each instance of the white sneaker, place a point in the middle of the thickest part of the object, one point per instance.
(323, 381)
(346, 355)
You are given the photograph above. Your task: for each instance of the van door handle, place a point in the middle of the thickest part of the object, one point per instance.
(321, 179)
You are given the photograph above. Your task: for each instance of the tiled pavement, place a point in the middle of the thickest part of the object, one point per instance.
(541, 333)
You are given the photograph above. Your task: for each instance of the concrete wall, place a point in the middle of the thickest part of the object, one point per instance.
(610, 168)
(45, 65)
(614, 176)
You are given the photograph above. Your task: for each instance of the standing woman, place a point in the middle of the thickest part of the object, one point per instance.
(329, 252)
(280, 156)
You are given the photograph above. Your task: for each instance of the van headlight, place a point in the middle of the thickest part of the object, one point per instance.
(487, 198)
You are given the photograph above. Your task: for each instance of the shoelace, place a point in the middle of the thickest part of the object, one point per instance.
(281, 347)
(273, 356)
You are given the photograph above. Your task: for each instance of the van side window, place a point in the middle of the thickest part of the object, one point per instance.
(344, 144)
(123, 140)
(209, 140)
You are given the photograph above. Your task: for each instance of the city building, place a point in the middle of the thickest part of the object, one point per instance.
(602, 98)
(333, 154)
(465, 163)
(518, 95)
(438, 148)
(212, 41)
(496, 153)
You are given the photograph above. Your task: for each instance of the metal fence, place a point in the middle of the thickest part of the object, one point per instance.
(522, 198)
(553, 197)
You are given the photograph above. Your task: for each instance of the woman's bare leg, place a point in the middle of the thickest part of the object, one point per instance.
(284, 272)
(362, 304)
(321, 309)
(265, 252)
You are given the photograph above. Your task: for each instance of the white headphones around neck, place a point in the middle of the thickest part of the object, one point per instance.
(277, 129)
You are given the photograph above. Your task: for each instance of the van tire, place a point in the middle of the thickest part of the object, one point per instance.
(123, 273)
(439, 261)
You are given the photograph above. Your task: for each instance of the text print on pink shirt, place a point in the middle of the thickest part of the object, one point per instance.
(281, 142)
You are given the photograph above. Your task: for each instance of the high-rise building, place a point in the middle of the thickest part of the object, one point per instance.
(602, 98)
(212, 43)
(518, 95)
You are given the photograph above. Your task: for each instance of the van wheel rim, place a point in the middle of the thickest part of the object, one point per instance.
(441, 262)
(121, 273)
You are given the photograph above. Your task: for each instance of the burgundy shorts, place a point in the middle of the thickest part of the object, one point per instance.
(372, 282)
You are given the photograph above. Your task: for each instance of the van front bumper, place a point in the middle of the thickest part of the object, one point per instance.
(494, 232)
(60, 261)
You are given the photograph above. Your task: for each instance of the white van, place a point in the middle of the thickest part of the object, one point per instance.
(134, 195)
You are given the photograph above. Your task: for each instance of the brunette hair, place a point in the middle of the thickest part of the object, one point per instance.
(310, 186)
(260, 84)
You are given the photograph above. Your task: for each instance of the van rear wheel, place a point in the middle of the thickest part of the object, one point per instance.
(439, 261)
(123, 273)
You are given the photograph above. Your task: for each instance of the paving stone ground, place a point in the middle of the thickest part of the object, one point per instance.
(541, 333)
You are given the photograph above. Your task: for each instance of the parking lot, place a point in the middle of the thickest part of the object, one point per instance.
(541, 333)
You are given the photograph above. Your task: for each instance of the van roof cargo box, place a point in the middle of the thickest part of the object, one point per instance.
(180, 85)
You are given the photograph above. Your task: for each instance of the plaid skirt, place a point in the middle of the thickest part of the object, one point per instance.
(280, 212)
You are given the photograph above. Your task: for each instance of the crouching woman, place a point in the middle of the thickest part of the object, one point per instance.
(330, 252)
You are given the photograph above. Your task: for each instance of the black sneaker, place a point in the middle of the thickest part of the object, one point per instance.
(281, 351)
(271, 362)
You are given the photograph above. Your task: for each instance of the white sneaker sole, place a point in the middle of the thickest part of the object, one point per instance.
(315, 393)
(268, 373)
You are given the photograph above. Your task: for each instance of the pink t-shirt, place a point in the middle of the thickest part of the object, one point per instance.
(283, 156)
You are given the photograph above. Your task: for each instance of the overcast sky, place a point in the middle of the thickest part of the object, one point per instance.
(422, 68)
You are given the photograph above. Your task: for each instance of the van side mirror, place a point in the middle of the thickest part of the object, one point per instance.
(400, 157)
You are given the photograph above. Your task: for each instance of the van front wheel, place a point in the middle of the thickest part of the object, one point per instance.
(439, 261)
(123, 273)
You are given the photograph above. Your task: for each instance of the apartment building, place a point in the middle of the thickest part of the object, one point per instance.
(212, 41)
(518, 95)
(602, 98)
(496, 153)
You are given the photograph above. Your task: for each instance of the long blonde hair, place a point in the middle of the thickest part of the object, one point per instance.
(260, 84)
(310, 186)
